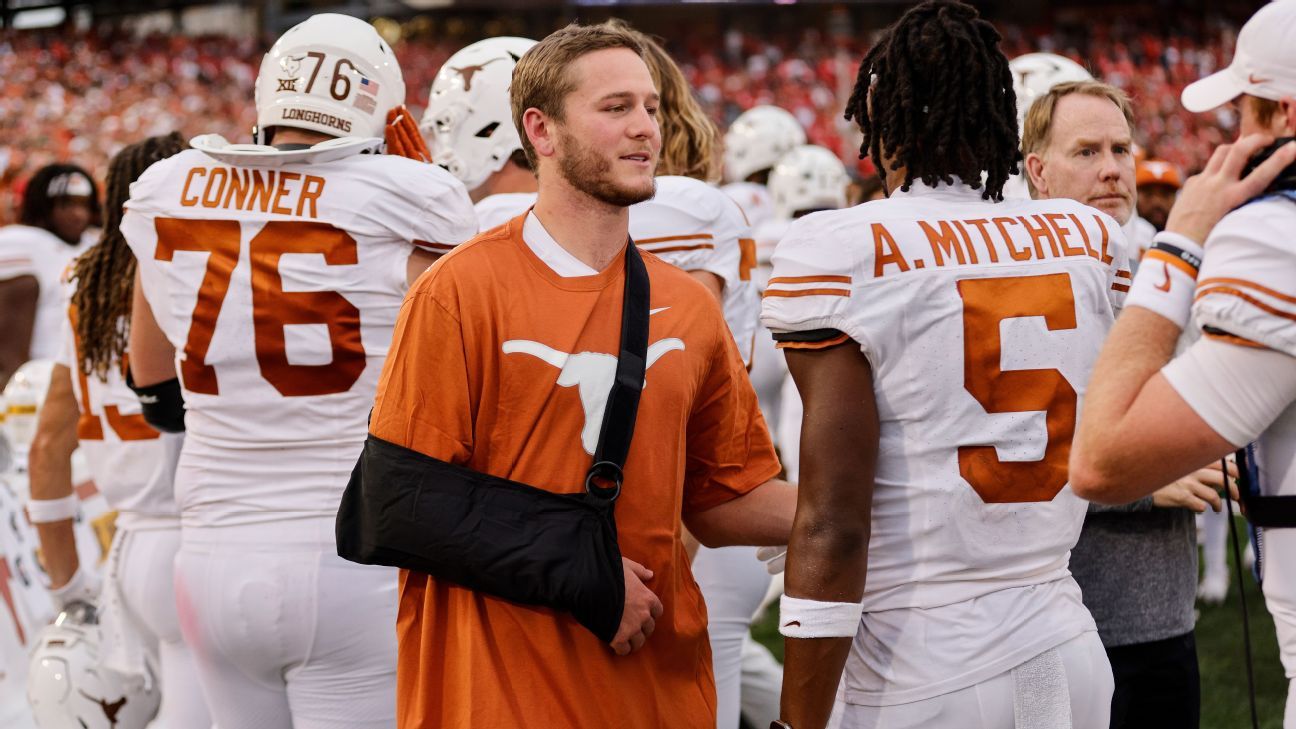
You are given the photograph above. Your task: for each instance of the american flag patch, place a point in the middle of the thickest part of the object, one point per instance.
(365, 103)
(367, 86)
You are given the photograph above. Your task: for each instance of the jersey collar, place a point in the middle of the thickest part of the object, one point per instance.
(957, 191)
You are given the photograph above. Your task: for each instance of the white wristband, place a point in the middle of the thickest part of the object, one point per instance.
(44, 511)
(1167, 289)
(800, 618)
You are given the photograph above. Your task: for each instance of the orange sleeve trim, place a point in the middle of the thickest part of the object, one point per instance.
(1247, 284)
(1170, 260)
(809, 279)
(841, 339)
(1122, 273)
(8, 261)
(670, 238)
(747, 258)
(677, 249)
(429, 245)
(1123, 288)
(807, 292)
(85, 490)
(1232, 339)
(1223, 291)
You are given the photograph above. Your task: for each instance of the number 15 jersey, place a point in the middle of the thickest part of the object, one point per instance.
(279, 287)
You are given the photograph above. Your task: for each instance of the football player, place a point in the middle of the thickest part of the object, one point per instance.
(470, 129)
(940, 340)
(1225, 263)
(276, 271)
(59, 203)
(90, 405)
(806, 180)
(756, 140)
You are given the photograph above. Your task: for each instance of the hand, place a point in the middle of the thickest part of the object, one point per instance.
(404, 138)
(1197, 490)
(1210, 195)
(642, 608)
(775, 558)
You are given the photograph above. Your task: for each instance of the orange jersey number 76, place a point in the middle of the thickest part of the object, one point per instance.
(272, 307)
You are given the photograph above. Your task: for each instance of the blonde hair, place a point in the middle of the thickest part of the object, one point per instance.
(690, 140)
(1038, 127)
(541, 78)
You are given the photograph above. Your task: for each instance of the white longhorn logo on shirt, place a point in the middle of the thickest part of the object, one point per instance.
(592, 372)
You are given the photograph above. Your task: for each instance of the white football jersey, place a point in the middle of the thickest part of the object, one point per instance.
(279, 287)
(132, 464)
(695, 227)
(981, 322)
(1246, 291)
(29, 251)
(496, 210)
(754, 200)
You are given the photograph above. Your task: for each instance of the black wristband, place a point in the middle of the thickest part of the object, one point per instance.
(162, 404)
(1192, 259)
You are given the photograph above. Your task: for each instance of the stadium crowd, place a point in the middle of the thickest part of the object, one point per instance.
(53, 85)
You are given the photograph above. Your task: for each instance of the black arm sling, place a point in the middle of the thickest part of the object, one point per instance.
(500, 537)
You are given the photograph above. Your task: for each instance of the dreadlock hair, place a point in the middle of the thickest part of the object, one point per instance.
(38, 205)
(105, 274)
(935, 96)
(690, 140)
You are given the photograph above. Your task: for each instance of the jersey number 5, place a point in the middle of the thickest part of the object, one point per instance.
(986, 303)
(272, 307)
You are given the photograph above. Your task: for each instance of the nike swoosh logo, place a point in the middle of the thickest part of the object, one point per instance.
(657, 311)
(1252, 79)
(1166, 285)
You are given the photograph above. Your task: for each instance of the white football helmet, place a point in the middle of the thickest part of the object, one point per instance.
(331, 74)
(23, 396)
(808, 178)
(757, 139)
(67, 688)
(1035, 73)
(469, 120)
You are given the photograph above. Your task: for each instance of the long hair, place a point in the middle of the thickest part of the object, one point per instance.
(690, 140)
(935, 96)
(105, 274)
(38, 204)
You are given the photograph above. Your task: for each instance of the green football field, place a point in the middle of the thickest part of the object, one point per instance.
(1220, 655)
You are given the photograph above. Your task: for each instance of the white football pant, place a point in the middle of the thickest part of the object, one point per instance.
(733, 583)
(1007, 701)
(1279, 566)
(141, 565)
(286, 634)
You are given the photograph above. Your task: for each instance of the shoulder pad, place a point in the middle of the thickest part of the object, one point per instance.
(260, 155)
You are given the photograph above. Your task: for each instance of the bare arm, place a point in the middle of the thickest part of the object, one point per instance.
(50, 467)
(17, 319)
(828, 553)
(419, 261)
(712, 282)
(152, 358)
(762, 516)
(1136, 433)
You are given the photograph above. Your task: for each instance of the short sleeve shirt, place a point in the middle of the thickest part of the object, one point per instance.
(503, 366)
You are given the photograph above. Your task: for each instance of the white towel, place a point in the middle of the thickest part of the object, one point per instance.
(1042, 699)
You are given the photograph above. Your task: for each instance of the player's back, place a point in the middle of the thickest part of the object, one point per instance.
(981, 323)
(696, 227)
(279, 287)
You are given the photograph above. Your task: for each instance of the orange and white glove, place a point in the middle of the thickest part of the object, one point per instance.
(403, 136)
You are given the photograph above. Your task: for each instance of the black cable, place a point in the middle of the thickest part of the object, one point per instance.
(1237, 563)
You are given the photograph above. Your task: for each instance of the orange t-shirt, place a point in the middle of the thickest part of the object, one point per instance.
(480, 375)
